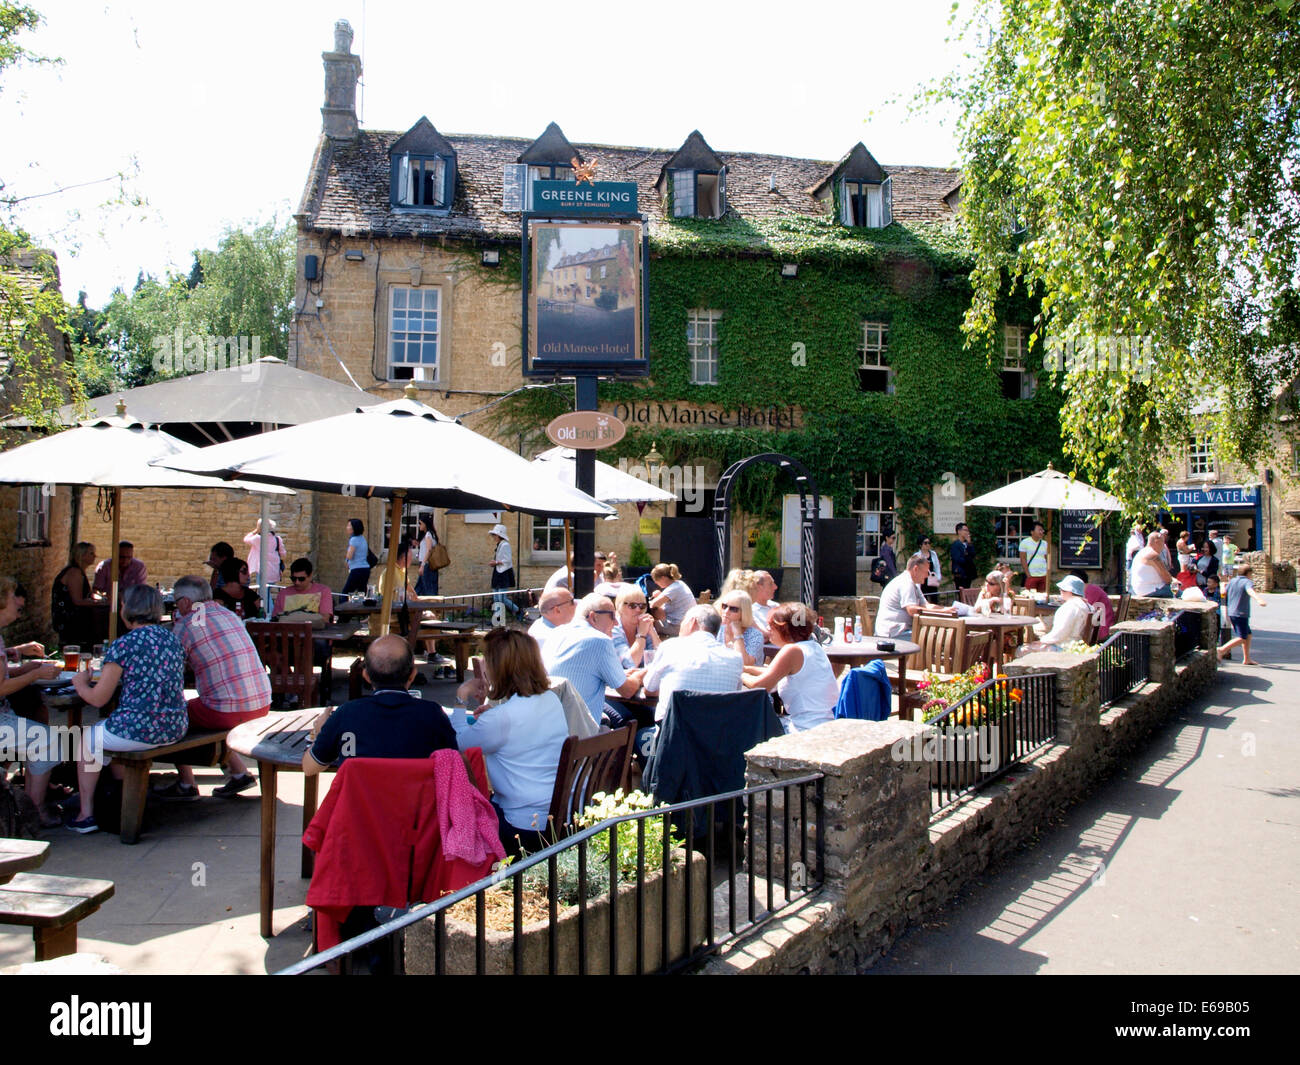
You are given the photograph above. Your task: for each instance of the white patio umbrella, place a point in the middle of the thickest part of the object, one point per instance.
(1048, 490)
(397, 451)
(112, 452)
(612, 485)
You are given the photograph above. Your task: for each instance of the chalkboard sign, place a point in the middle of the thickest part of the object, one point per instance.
(1076, 527)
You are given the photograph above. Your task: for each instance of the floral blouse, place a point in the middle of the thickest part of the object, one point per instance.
(151, 697)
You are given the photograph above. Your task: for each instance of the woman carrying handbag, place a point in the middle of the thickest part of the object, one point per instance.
(433, 557)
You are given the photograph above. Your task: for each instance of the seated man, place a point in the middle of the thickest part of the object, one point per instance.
(230, 678)
(694, 661)
(1070, 621)
(1149, 577)
(557, 607)
(584, 654)
(306, 600)
(902, 599)
(388, 723)
(130, 570)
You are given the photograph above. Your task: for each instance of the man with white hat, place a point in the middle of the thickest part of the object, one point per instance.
(503, 567)
(1071, 618)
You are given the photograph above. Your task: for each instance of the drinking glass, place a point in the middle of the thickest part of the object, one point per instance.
(71, 658)
(84, 663)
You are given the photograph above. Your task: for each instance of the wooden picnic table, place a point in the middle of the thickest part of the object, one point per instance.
(998, 624)
(19, 855)
(277, 741)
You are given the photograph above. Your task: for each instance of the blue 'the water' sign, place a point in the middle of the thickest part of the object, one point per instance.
(602, 197)
(1212, 497)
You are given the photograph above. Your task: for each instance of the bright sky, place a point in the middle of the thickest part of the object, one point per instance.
(220, 104)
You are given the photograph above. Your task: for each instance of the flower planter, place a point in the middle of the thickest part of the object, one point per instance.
(459, 955)
(956, 760)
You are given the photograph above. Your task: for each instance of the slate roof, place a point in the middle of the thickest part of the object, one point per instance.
(348, 187)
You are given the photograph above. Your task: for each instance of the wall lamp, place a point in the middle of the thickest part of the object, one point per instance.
(491, 257)
(789, 269)
(355, 256)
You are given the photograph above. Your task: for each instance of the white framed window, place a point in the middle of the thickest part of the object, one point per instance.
(867, 204)
(698, 193)
(33, 516)
(548, 539)
(873, 512)
(1017, 381)
(421, 181)
(1200, 456)
(414, 320)
(702, 345)
(874, 372)
(1012, 524)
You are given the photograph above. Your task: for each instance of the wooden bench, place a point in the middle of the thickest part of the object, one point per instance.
(136, 764)
(51, 906)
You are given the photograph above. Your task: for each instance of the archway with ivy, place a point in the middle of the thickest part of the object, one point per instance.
(809, 508)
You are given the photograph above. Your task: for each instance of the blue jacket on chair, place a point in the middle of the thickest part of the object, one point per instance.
(866, 694)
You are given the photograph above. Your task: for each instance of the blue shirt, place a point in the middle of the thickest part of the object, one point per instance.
(587, 659)
(753, 642)
(360, 553)
(1238, 597)
(151, 698)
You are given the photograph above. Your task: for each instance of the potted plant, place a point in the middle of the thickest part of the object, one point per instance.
(979, 737)
(638, 560)
(766, 556)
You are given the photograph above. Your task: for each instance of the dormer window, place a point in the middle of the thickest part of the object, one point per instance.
(693, 183)
(423, 170)
(860, 191)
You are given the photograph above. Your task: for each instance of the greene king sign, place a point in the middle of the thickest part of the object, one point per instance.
(601, 197)
(588, 429)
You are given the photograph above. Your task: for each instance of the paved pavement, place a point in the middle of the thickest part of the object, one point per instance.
(187, 893)
(1185, 861)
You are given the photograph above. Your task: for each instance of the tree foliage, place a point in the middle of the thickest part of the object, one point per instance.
(242, 289)
(1135, 165)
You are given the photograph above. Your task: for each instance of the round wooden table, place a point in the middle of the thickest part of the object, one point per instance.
(277, 741)
(19, 855)
(998, 624)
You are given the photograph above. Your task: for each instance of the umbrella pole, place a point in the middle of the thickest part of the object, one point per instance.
(568, 555)
(390, 567)
(114, 572)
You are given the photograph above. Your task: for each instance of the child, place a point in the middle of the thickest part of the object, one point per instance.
(1240, 592)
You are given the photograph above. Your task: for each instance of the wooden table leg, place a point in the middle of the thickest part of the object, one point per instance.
(462, 658)
(309, 794)
(55, 942)
(135, 790)
(268, 778)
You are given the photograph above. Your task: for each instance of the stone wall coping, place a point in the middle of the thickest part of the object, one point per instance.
(834, 748)
(1194, 607)
(1142, 626)
(1053, 661)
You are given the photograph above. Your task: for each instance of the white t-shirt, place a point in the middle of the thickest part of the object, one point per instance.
(1146, 578)
(679, 599)
(809, 696)
(892, 618)
(1035, 552)
(1071, 617)
(558, 579)
(503, 559)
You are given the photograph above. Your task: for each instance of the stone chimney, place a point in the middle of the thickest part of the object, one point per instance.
(342, 70)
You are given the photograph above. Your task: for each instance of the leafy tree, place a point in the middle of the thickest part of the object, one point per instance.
(1135, 165)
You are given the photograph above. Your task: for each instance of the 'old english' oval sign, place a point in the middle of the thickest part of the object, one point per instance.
(586, 429)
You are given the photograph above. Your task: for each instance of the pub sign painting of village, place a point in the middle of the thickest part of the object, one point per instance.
(586, 293)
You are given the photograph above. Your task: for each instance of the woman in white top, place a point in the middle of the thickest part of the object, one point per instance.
(503, 568)
(427, 581)
(800, 673)
(521, 729)
(1070, 621)
(993, 598)
(673, 600)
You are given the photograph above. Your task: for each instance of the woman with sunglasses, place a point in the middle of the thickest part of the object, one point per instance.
(993, 597)
(634, 627)
(738, 632)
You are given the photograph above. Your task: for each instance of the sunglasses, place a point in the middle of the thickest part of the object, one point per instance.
(635, 606)
(301, 578)
(731, 608)
(598, 613)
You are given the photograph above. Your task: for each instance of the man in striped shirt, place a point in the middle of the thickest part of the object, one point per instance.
(231, 680)
(583, 653)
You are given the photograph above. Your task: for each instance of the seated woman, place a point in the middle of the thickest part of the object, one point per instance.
(149, 665)
(674, 598)
(634, 628)
(36, 772)
(72, 604)
(521, 729)
(993, 597)
(800, 673)
(1070, 621)
(738, 632)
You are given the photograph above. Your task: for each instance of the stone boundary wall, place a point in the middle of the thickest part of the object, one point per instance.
(887, 864)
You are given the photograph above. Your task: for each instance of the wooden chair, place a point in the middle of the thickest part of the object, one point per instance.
(601, 763)
(946, 646)
(286, 650)
(968, 595)
(1020, 605)
(1121, 611)
(1090, 631)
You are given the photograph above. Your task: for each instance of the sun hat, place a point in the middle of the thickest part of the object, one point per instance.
(1071, 584)
(500, 530)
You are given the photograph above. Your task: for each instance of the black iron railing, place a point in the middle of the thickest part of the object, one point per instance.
(751, 854)
(1124, 664)
(1187, 631)
(477, 607)
(983, 734)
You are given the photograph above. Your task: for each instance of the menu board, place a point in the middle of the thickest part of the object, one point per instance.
(1077, 551)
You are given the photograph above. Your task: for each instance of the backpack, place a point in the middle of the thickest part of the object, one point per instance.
(879, 571)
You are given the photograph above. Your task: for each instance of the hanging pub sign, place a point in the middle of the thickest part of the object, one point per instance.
(591, 429)
(1077, 551)
(584, 306)
(596, 198)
